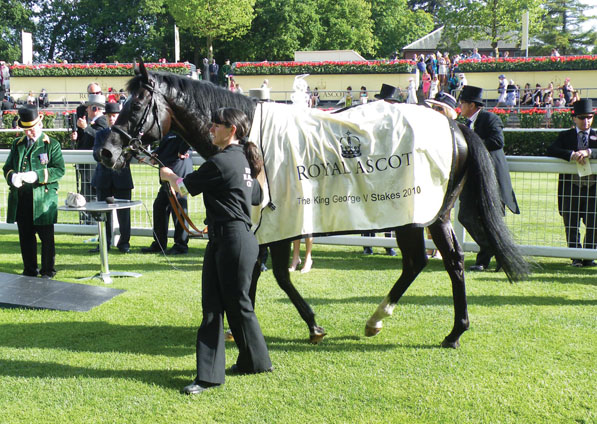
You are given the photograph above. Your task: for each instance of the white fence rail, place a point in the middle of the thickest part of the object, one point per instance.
(538, 229)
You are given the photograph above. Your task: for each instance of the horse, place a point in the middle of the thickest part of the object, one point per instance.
(162, 102)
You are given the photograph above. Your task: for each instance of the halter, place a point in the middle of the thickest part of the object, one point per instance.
(135, 146)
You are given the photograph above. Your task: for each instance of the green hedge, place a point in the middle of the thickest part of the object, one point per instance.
(327, 67)
(520, 64)
(92, 69)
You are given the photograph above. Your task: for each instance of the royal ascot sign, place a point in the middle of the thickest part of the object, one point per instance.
(371, 167)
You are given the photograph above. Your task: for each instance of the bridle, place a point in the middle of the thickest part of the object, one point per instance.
(135, 146)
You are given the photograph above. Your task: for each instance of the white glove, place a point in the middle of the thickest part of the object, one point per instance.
(29, 177)
(16, 180)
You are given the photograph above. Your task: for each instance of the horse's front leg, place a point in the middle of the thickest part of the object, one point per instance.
(280, 252)
(453, 257)
(412, 246)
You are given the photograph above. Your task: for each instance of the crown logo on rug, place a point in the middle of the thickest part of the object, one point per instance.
(350, 145)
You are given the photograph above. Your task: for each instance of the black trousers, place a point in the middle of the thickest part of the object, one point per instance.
(123, 215)
(470, 218)
(28, 241)
(580, 203)
(228, 265)
(161, 216)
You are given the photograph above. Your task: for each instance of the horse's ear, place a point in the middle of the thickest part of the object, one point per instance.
(142, 70)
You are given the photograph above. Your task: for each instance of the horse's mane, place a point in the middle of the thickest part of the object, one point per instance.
(201, 96)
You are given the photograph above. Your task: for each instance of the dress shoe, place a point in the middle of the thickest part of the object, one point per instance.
(234, 369)
(577, 263)
(197, 387)
(588, 263)
(477, 268)
(176, 251)
(150, 249)
(47, 276)
(29, 273)
(390, 252)
(94, 250)
(124, 249)
(367, 251)
(263, 268)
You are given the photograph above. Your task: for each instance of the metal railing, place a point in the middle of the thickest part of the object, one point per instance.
(538, 229)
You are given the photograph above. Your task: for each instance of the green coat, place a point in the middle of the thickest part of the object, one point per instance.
(45, 158)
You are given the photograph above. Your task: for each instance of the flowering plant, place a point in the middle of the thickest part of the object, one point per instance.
(325, 67)
(531, 118)
(503, 114)
(92, 69)
(538, 63)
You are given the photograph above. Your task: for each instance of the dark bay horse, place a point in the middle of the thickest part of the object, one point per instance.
(160, 102)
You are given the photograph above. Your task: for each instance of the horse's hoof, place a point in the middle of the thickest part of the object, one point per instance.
(316, 335)
(452, 345)
(371, 331)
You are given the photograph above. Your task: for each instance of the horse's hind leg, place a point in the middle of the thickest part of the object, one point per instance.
(280, 252)
(412, 245)
(453, 257)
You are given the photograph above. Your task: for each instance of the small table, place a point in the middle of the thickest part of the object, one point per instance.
(99, 211)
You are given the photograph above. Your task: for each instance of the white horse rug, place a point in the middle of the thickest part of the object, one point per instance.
(371, 167)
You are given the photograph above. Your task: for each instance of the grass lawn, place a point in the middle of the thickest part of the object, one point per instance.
(529, 356)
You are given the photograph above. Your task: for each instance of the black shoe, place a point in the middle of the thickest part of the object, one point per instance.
(94, 250)
(176, 251)
(588, 263)
(391, 252)
(47, 276)
(367, 251)
(151, 249)
(577, 263)
(124, 249)
(29, 273)
(197, 387)
(477, 268)
(237, 371)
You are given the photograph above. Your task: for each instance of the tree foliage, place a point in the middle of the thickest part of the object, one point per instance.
(494, 20)
(562, 28)
(14, 17)
(213, 19)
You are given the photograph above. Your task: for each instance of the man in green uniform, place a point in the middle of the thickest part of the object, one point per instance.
(32, 170)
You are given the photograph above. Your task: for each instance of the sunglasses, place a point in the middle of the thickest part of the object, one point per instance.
(95, 92)
(438, 108)
(583, 117)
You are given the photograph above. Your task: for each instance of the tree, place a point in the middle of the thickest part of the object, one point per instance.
(213, 19)
(562, 28)
(430, 6)
(348, 25)
(494, 20)
(396, 25)
(14, 17)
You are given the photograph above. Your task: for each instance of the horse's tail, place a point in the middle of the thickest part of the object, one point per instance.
(482, 179)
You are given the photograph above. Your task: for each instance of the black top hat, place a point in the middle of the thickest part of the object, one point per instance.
(112, 107)
(583, 107)
(28, 117)
(472, 94)
(388, 92)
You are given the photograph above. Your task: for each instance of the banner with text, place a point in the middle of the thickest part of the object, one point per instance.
(375, 166)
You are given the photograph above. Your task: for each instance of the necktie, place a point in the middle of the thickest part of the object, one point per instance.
(30, 142)
(468, 123)
(583, 141)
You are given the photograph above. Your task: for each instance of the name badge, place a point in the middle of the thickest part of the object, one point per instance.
(43, 158)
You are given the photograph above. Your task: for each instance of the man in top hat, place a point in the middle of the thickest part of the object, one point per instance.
(109, 182)
(389, 93)
(489, 127)
(577, 196)
(32, 170)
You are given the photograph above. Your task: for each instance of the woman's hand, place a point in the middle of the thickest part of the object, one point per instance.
(166, 174)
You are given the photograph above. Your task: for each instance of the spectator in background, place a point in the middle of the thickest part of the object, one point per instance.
(225, 71)
(315, 97)
(411, 92)
(434, 88)
(214, 70)
(537, 96)
(475, 55)
(511, 94)
(363, 98)
(4, 77)
(421, 68)
(575, 97)
(32, 169)
(116, 183)
(121, 97)
(567, 90)
(426, 84)
(205, 71)
(503, 83)
(173, 152)
(555, 52)
(43, 100)
(296, 258)
(31, 99)
(112, 96)
(527, 96)
(577, 196)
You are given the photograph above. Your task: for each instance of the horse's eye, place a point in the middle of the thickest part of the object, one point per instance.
(136, 107)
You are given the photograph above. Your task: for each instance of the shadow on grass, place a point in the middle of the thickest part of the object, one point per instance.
(447, 300)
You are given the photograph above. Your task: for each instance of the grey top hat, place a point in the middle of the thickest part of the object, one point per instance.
(96, 100)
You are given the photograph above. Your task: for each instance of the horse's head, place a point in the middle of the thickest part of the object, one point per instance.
(144, 119)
